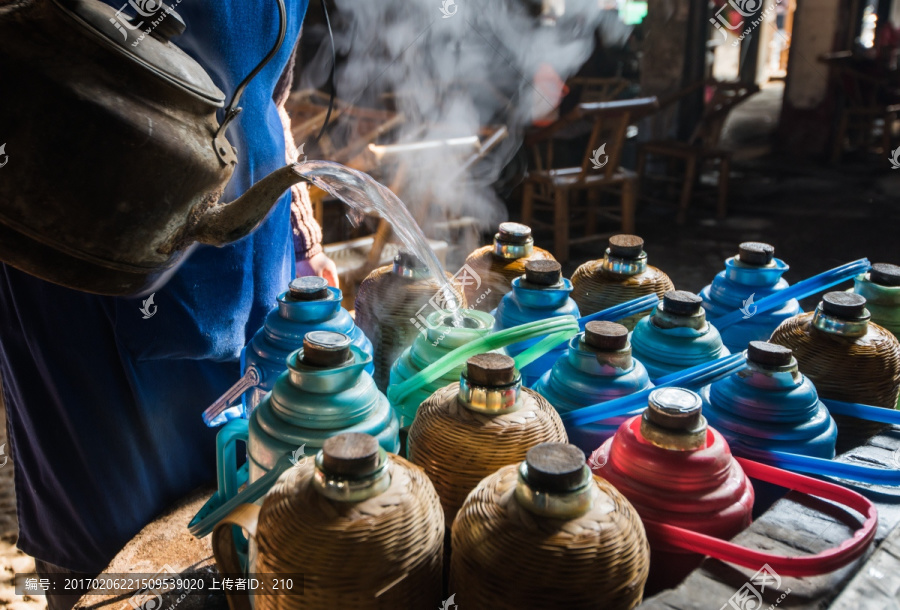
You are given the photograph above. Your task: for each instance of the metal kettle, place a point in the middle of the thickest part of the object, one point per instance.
(117, 217)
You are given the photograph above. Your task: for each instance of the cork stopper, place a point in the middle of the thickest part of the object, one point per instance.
(769, 354)
(675, 409)
(605, 336)
(626, 246)
(555, 467)
(885, 274)
(514, 233)
(543, 272)
(848, 305)
(351, 454)
(755, 253)
(682, 303)
(309, 288)
(490, 370)
(406, 262)
(324, 348)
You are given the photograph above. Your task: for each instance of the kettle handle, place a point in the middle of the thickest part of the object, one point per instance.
(225, 552)
(232, 110)
(807, 565)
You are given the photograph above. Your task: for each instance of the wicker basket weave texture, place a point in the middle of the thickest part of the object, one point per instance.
(458, 447)
(505, 557)
(595, 289)
(497, 274)
(385, 552)
(384, 305)
(864, 370)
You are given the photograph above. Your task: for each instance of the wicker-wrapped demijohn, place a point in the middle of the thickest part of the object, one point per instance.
(392, 305)
(364, 529)
(676, 336)
(678, 471)
(546, 533)
(471, 428)
(498, 264)
(621, 275)
(847, 357)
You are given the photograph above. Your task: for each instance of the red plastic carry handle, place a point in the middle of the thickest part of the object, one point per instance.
(808, 565)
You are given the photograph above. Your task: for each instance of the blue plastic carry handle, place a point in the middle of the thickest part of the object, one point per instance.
(693, 378)
(800, 290)
(852, 409)
(819, 466)
(620, 311)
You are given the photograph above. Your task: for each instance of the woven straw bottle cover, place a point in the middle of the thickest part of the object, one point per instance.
(392, 305)
(359, 527)
(547, 534)
(621, 275)
(847, 357)
(468, 430)
(498, 264)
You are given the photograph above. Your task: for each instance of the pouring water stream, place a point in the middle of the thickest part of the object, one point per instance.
(362, 194)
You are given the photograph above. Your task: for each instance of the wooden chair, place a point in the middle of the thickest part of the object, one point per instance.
(702, 145)
(549, 187)
(864, 105)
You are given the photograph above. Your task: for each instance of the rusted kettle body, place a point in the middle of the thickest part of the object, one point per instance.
(498, 264)
(545, 533)
(847, 357)
(621, 275)
(119, 158)
(676, 470)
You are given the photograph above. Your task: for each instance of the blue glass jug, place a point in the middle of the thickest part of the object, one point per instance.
(676, 336)
(771, 405)
(309, 304)
(598, 366)
(748, 277)
(440, 338)
(539, 294)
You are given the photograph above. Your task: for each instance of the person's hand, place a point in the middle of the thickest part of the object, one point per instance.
(319, 265)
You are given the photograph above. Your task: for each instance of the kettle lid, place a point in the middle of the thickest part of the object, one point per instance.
(143, 37)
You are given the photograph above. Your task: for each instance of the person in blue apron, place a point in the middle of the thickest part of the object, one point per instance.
(103, 401)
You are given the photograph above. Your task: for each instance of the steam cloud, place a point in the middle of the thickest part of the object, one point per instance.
(452, 75)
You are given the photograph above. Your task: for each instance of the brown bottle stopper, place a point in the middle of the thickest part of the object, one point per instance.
(324, 348)
(769, 354)
(605, 336)
(626, 246)
(309, 288)
(350, 454)
(681, 303)
(755, 253)
(555, 467)
(543, 272)
(514, 233)
(848, 305)
(408, 260)
(490, 370)
(885, 274)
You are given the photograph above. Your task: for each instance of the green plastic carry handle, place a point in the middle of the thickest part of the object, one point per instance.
(554, 330)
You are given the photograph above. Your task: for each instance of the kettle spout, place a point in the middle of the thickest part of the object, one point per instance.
(224, 223)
